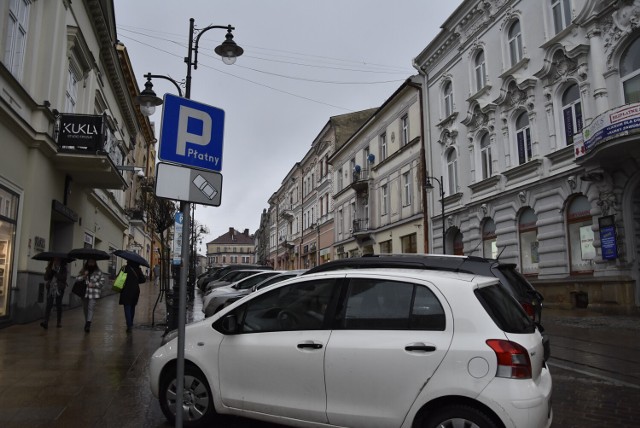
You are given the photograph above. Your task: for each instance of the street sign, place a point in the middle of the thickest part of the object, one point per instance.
(177, 239)
(191, 133)
(189, 185)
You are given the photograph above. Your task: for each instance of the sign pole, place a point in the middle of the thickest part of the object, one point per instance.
(185, 207)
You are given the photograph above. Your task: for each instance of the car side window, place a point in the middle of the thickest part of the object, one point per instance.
(299, 306)
(391, 305)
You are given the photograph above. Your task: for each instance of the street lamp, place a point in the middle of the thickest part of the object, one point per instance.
(429, 187)
(229, 51)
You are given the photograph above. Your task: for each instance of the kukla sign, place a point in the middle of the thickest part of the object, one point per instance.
(81, 132)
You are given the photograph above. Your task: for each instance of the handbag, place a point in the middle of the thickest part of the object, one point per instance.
(79, 287)
(118, 284)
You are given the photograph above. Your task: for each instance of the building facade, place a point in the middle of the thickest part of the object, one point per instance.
(530, 124)
(233, 247)
(378, 176)
(67, 125)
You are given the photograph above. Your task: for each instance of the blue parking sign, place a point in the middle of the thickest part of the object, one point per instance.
(191, 133)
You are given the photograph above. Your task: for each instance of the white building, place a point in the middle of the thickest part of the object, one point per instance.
(511, 86)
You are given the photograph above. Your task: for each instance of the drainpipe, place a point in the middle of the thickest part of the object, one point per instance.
(425, 129)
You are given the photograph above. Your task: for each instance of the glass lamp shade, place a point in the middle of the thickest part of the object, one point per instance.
(229, 60)
(147, 109)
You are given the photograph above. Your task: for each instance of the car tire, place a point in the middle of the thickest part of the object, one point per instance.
(197, 396)
(459, 415)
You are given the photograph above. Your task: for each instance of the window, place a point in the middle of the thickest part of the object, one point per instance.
(528, 229)
(452, 171)
(481, 71)
(458, 243)
(352, 168)
(630, 72)
(391, 305)
(523, 137)
(384, 200)
(409, 243)
(406, 188)
(8, 220)
(561, 11)
(404, 132)
(571, 113)
(234, 259)
(386, 247)
(340, 221)
(485, 156)
(16, 36)
(383, 146)
(489, 240)
(299, 306)
(515, 43)
(340, 178)
(579, 222)
(71, 95)
(365, 156)
(448, 99)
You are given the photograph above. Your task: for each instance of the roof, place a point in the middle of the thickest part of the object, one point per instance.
(234, 237)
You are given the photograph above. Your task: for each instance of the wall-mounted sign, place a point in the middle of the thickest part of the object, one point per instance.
(81, 132)
(617, 122)
(608, 240)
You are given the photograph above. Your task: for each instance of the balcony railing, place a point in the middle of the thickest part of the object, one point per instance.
(360, 228)
(360, 182)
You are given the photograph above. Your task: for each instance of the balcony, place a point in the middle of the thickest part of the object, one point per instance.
(360, 229)
(286, 212)
(360, 182)
(82, 153)
(286, 243)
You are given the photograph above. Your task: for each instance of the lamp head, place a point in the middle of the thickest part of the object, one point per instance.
(228, 49)
(148, 100)
(428, 185)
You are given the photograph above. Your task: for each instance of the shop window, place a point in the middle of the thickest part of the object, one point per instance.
(409, 243)
(489, 239)
(579, 223)
(571, 113)
(8, 220)
(630, 72)
(386, 247)
(528, 230)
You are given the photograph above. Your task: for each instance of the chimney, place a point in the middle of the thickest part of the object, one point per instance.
(246, 232)
(231, 231)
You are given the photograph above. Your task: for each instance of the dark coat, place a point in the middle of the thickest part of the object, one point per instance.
(58, 273)
(131, 290)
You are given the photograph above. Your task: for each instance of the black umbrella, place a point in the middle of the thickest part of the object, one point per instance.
(132, 257)
(50, 255)
(89, 253)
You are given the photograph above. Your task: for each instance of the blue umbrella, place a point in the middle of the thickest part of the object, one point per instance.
(132, 257)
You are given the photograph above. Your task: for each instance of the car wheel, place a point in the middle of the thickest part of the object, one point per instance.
(459, 416)
(197, 399)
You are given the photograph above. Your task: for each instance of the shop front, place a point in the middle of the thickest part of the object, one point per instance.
(8, 223)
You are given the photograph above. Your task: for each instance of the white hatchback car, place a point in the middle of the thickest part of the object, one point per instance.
(367, 348)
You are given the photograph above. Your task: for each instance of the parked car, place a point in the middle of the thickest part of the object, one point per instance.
(223, 296)
(514, 282)
(364, 348)
(218, 272)
(244, 283)
(230, 278)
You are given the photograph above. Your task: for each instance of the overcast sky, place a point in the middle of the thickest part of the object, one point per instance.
(304, 61)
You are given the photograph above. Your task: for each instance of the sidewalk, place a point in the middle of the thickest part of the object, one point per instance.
(64, 377)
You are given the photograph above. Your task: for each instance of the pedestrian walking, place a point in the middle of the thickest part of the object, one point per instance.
(94, 279)
(131, 291)
(55, 276)
(156, 274)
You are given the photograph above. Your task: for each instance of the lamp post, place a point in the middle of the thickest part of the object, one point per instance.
(229, 51)
(429, 186)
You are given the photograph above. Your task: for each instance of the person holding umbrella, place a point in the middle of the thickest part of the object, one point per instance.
(55, 276)
(131, 289)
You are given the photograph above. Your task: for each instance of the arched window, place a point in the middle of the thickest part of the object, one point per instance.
(480, 71)
(561, 12)
(528, 230)
(452, 171)
(523, 138)
(571, 113)
(630, 72)
(489, 239)
(581, 247)
(485, 156)
(447, 95)
(458, 245)
(515, 43)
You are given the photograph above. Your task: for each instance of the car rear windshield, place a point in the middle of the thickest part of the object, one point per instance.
(517, 281)
(504, 310)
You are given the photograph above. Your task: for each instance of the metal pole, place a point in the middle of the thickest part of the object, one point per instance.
(444, 232)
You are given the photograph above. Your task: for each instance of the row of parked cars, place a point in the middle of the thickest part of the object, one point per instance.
(420, 341)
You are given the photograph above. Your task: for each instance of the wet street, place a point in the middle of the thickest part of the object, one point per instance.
(64, 377)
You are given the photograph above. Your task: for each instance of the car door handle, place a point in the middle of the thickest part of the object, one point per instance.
(420, 347)
(309, 345)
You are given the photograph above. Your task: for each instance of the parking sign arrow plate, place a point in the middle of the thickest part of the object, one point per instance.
(191, 133)
(188, 184)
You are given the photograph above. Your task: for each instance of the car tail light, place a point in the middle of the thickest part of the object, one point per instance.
(529, 309)
(513, 359)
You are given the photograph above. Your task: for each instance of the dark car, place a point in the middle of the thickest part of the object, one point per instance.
(514, 282)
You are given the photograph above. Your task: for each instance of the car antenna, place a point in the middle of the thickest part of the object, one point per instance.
(501, 251)
(464, 260)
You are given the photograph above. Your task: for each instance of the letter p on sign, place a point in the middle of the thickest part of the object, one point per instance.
(191, 134)
(184, 136)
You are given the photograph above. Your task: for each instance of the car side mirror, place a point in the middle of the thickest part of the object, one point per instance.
(230, 324)
(254, 288)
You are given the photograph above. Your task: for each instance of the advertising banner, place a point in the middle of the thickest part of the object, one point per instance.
(81, 132)
(617, 122)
